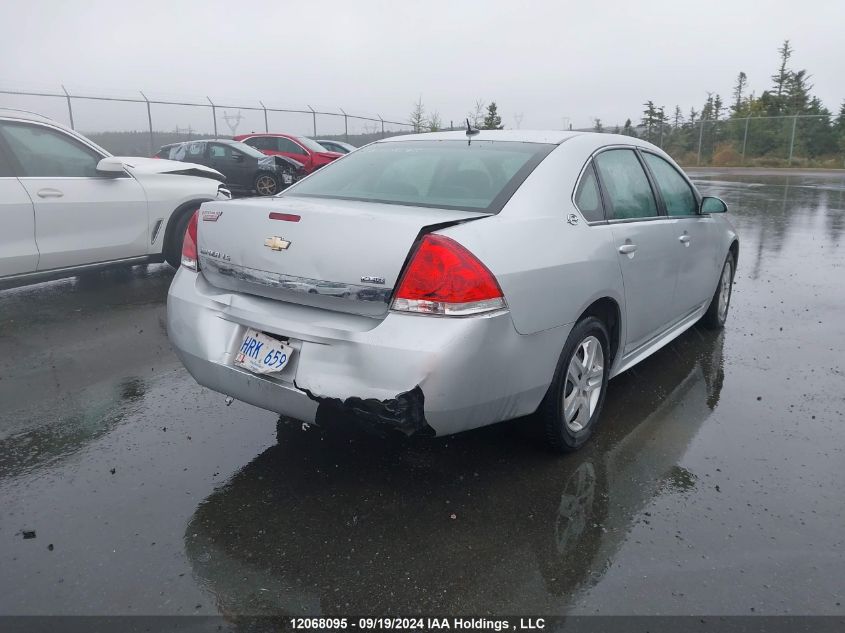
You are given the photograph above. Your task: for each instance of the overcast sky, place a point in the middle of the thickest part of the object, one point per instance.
(553, 62)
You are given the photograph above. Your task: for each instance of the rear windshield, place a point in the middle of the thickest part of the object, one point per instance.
(480, 176)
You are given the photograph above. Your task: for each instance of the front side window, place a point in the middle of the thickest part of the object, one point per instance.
(587, 198)
(46, 153)
(676, 192)
(628, 192)
(219, 152)
(480, 176)
(261, 143)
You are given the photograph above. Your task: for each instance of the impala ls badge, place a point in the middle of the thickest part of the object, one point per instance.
(276, 243)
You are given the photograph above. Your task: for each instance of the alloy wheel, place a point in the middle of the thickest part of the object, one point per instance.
(584, 379)
(265, 185)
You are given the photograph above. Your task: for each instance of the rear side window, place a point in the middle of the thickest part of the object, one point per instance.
(676, 192)
(587, 198)
(46, 153)
(286, 145)
(628, 192)
(479, 176)
(195, 150)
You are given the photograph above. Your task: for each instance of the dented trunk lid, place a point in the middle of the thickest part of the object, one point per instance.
(340, 255)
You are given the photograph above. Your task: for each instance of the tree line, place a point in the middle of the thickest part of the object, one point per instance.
(786, 121)
(784, 125)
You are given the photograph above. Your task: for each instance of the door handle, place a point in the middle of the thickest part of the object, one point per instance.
(49, 193)
(684, 239)
(628, 249)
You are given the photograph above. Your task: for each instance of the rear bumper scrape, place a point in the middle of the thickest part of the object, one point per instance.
(404, 413)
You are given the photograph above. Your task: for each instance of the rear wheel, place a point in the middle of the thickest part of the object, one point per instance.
(267, 184)
(173, 248)
(717, 311)
(575, 398)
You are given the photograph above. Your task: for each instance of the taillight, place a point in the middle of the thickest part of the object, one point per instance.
(444, 278)
(189, 245)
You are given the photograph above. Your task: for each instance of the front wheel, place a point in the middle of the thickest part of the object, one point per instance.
(267, 184)
(575, 398)
(717, 311)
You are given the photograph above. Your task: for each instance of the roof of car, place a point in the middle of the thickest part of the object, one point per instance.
(525, 136)
(227, 141)
(556, 137)
(26, 115)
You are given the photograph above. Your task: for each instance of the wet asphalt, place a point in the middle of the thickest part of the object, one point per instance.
(715, 485)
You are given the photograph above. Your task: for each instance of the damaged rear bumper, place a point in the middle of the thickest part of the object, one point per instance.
(405, 372)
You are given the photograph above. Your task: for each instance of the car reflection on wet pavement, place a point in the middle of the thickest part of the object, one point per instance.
(714, 484)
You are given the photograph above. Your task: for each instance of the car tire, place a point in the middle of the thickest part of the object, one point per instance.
(267, 184)
(173, 248)
(575, 398)
(717, 311)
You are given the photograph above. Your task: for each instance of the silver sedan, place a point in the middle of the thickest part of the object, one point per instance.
(442, 282)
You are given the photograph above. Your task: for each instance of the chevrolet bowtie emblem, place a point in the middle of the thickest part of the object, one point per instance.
(276, 243)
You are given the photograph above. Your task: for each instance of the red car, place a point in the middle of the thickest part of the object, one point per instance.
(311, 154)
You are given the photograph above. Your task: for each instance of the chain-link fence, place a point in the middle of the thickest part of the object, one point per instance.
(773, 141)
(140, 123)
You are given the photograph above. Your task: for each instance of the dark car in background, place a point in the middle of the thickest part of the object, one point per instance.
(337, 146)
(310, 153)
(246, 169)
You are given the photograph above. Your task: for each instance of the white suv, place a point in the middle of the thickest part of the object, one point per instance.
(67, 205)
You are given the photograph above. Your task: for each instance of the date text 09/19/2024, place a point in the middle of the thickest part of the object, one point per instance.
(418, 624)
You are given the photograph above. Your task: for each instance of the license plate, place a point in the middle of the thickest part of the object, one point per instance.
(262, 354)
(287, 179)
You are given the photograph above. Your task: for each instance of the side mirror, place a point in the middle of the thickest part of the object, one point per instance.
(111, 166)
(239, 158)
(711, 204)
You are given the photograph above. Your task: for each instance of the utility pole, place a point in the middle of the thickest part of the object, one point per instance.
(233, 120)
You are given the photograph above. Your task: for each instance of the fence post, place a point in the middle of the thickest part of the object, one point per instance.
(700, 137)
(382, 124)
(263, 107)
(345, 125)
(314, 120)
(744, 140)
(213, 114)
(792, 139)
(150, 122)
(69, 107)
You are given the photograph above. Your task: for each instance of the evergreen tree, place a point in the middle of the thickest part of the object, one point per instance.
(796, 94)
(628, 129)
(598, 127)
(783, 73)
(492, 121)
(417, 118)
(652, 121)
(678, 118)
(717, 107)
(741, 82)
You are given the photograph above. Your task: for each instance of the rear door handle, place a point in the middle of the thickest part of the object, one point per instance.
(684, 239)
(49, 193)
(627, 249)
